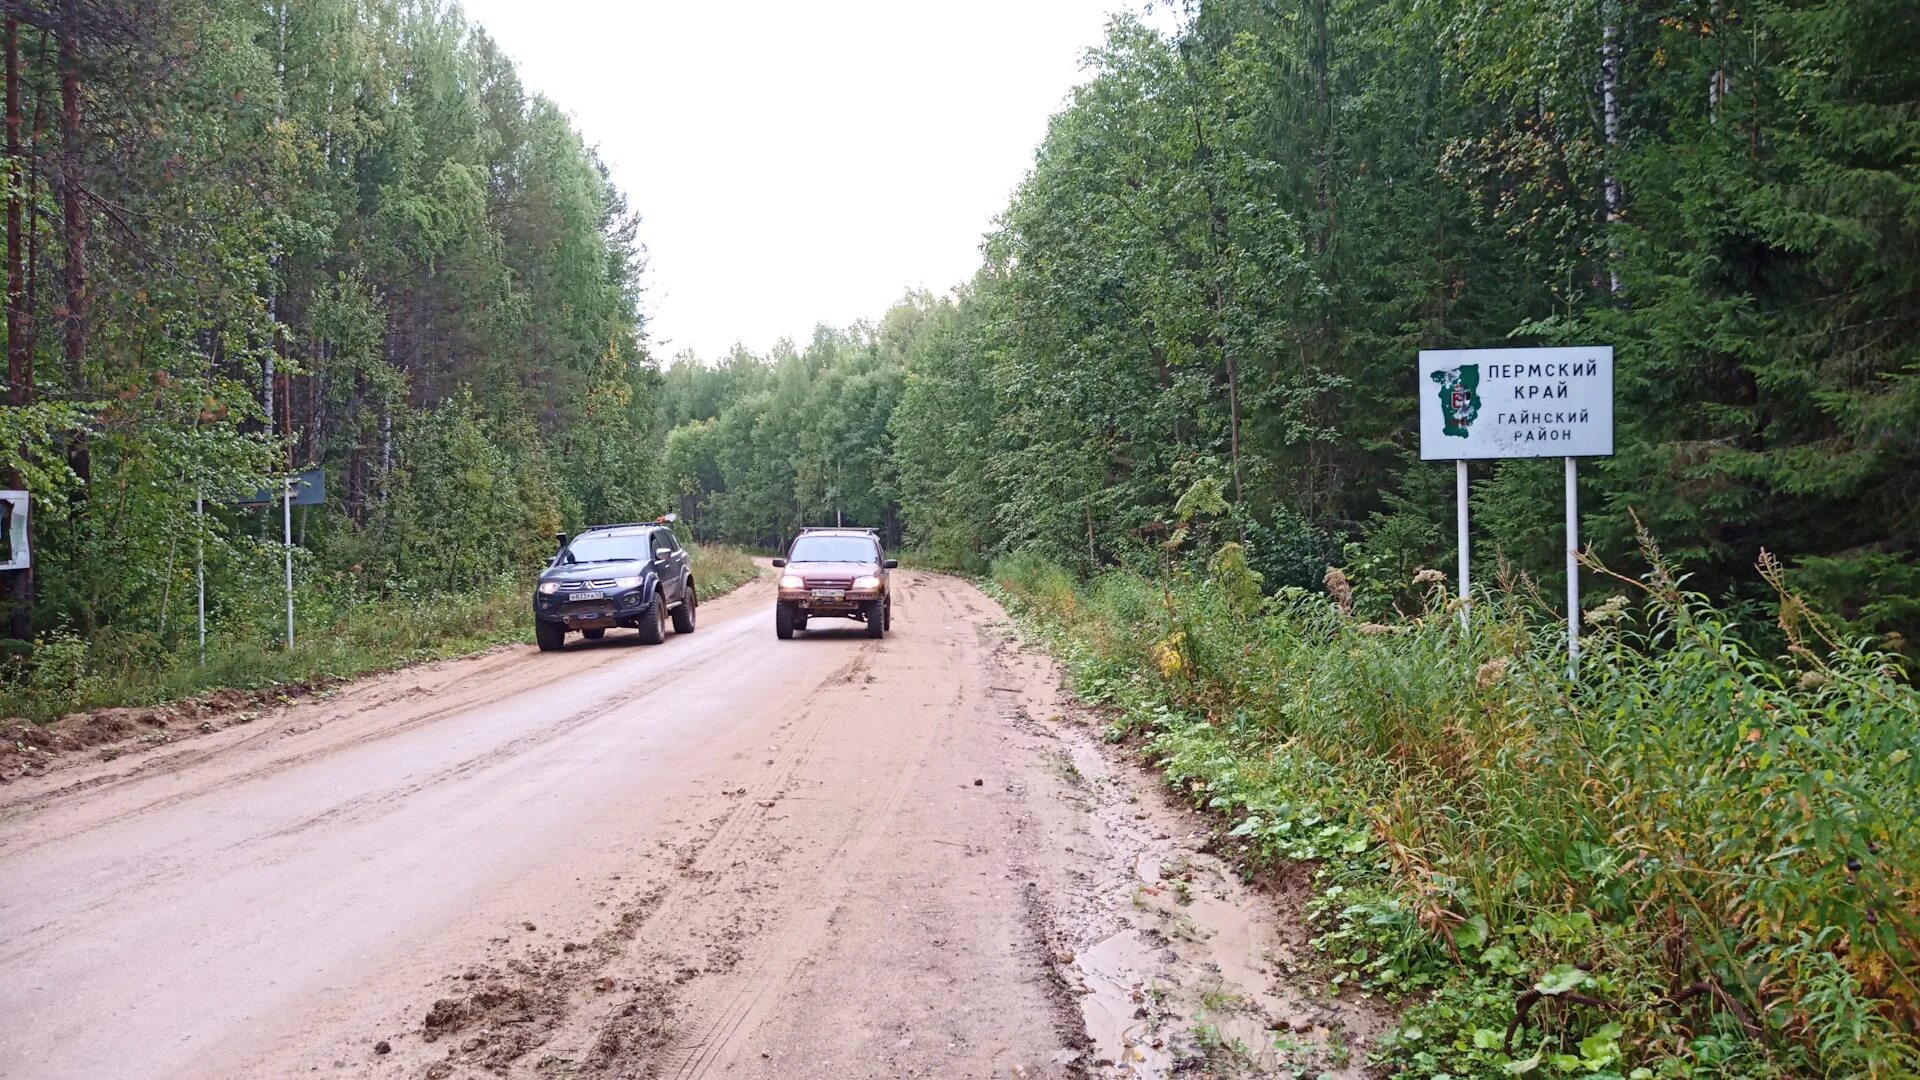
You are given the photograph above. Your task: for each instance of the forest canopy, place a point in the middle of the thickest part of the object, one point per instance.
(1236, 238)
(250, 237)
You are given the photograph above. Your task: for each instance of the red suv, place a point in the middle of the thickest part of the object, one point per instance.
(839, 573)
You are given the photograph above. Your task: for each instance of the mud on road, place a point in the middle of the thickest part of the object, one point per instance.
(723, 856)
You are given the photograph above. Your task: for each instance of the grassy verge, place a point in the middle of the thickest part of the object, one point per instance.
(940, 562)
(333, 641)
(1695, 862)
(721, 569)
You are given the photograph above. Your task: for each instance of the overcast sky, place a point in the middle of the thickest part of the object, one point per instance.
(798, 163)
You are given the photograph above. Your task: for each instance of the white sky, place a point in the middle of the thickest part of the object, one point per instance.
(799, 163)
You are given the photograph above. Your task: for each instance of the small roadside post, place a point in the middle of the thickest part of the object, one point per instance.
(286, 536)
(200, 568)
(1481, 404)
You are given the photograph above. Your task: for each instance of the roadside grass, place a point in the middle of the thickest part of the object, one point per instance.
(966, 563)
(720, 569)
(336, 638)
(1695, 862)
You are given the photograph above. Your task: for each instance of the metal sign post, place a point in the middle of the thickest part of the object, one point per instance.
(200, 568)
(1573, 566)
(1519, 403)
(286, 509)
(1460, 527)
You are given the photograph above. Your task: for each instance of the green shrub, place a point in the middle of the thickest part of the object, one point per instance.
(720, 569)
(1719, 851)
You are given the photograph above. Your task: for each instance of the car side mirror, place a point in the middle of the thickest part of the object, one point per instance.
(779, 562)
(891, 564)
(560, 538)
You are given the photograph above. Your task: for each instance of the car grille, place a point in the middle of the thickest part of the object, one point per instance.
(601, 583)
(829, 583)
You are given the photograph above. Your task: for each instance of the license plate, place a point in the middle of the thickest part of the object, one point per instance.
(829, 594)
(587, 596)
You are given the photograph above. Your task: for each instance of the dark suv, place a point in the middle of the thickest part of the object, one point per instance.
(615, 575)
(834, 572)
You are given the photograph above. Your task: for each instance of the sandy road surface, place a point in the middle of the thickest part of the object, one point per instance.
(723, 856)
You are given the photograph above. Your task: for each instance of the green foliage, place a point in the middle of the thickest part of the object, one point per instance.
(719, 569)
(333, 233)
(1235, 238)
(466, 504)
(1708, 843)
(796, 438)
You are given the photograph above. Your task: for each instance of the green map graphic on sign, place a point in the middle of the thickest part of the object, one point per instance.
(1459, 397)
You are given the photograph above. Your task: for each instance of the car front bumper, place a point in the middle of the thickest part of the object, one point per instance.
(853, 601)
(613, 609)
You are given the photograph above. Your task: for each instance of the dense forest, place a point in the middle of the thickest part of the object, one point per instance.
(251, 237)
(1234, 241)
(245, 238)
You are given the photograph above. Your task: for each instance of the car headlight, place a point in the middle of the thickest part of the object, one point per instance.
(792, 581)
(548, 588)
(866, 583)
(632, 582)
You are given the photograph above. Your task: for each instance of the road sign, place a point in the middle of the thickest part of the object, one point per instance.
(309, 489)
(1516, 403)
(14, 554)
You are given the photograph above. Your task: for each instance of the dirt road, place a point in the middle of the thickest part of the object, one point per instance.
(723, 856)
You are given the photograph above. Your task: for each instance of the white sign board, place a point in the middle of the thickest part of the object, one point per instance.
(1516, 403)
(13, 531)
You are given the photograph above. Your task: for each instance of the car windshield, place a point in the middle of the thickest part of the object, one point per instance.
(834, 549)
(608, 547)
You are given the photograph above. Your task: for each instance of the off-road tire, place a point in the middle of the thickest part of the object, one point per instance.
(594, 633)
(876, 618)
(684, 614)
(800, 620)
(653, 621)
(783, 621)
(551, 637)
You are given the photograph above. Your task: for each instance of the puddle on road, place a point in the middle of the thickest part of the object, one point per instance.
(1181, 966)
(1114, 1003)
(1175, 966)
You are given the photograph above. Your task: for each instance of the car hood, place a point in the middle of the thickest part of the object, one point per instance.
(599, 571)
(811, 570)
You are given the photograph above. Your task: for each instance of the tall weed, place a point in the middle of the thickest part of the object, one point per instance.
(1694, 854)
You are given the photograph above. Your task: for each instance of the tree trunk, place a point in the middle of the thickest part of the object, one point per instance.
(73, 211)
(1610, 105)
(73, 206)
(19, 584)
(19, 356)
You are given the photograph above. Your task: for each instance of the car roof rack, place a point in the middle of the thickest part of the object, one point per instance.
(839, 529)
(657, 523)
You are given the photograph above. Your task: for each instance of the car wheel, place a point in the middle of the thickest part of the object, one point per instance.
(684, 614)
(876, 619)
(550, 636)
(783, 621)
(594, 633)
(653, 621)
